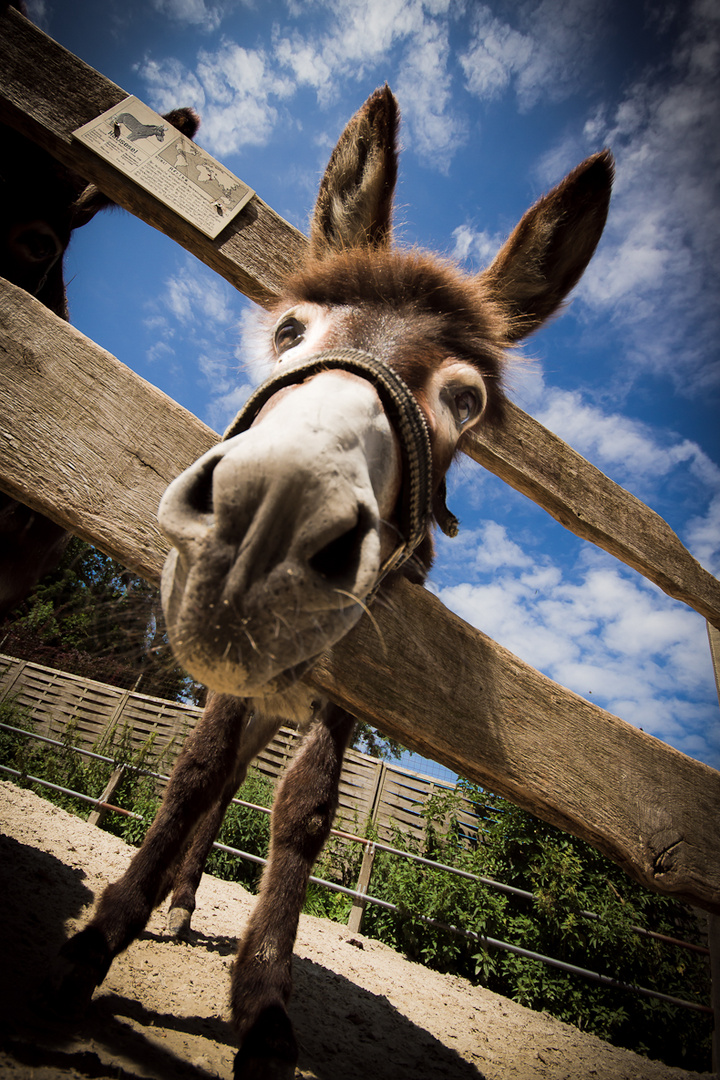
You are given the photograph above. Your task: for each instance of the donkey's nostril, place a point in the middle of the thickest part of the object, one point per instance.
(199, 493)
(187, 508)
(338, 561)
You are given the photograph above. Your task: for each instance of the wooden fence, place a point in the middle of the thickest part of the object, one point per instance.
(92, 713)
(648, 807)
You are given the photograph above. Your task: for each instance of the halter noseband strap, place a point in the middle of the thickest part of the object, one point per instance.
(404, 413)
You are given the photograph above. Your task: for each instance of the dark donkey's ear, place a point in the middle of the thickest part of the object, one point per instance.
(354, 203)
(545, 256)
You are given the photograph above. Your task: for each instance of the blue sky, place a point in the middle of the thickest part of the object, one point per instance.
(499, 101)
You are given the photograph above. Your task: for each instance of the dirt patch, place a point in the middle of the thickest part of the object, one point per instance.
(360, 1010)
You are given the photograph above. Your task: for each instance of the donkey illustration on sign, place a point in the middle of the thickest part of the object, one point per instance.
(136, 128)
(327, 482)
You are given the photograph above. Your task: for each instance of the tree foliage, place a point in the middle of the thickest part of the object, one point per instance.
(368, 740)
(97, 619)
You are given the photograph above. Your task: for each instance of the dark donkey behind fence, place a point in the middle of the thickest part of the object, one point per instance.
(41, 204)
(327, 481)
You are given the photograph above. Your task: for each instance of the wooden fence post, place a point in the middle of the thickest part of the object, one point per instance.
(358, 909)
(97, 815)
(378, 794)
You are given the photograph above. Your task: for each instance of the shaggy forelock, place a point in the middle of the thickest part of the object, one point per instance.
(411, 308)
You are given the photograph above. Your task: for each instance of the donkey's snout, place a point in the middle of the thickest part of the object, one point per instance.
(295, 528)
(278, 537)
(273, 518)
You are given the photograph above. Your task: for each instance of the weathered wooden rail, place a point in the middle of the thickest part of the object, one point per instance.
(447, 690)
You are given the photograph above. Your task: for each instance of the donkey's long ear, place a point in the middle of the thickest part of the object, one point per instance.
(545, 256)
(354, 203)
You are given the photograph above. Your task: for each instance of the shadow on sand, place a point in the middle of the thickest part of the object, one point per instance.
(343, 1030)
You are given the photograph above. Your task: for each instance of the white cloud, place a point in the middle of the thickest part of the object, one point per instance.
(613, 441)
(703, 536)
(171, 85)
(605, 634)
(38, 13)
(206, 17)
(655, 271)
(424, 87)
(475, 245)
(225, 407)
(496, 54)
(234, 374)
(193, 295)
(305, 61)
(356, 39)
(495, 549)
(544, 55)
(160, 352)
(646, 460)
(233, 88)
(237, 90)
(216, 369)
(221, 335)
(360, 38)
(656, 267)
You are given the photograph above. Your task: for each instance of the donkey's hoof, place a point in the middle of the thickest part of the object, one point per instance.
(178, 922)
(81, 966)
(269, 1050)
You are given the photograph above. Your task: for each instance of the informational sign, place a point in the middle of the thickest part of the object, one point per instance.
(163, 161)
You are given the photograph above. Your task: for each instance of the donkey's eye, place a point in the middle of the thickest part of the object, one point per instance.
(288, 334)
(468, 406)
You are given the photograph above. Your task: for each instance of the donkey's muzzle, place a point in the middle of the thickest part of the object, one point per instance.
(281, 534)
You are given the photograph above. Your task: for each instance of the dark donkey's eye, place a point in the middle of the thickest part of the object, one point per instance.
(288, 334)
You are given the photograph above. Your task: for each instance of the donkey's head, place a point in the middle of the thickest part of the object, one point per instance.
(332, 474)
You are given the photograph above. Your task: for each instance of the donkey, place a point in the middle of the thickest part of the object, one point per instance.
(41, 203)
(324, 487)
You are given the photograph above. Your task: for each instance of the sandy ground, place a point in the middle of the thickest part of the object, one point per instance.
(360, 1009)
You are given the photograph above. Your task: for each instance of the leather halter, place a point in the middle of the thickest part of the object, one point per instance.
(404, 413)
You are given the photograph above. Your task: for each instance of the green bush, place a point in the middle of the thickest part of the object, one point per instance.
(567, 877)
(339, 862)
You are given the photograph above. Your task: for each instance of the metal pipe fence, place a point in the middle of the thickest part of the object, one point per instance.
(362, 896)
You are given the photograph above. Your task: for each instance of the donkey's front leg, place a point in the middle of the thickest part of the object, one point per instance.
(303, 811)
(202, 774)
(190, 871)
(258, 732)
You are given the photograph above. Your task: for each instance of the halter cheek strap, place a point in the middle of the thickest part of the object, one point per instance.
(416, 501)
